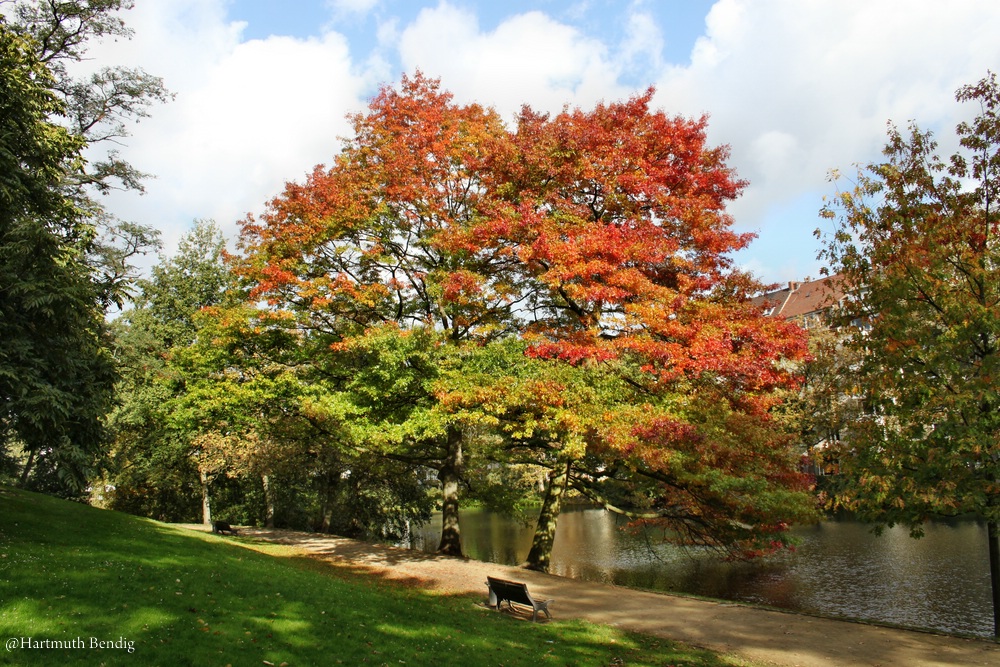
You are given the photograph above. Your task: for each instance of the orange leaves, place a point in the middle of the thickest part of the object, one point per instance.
(597, 234)
(570, 351)
(402, 228)
(273, 276)
(459, 286)
(667, 433)
(625, 236)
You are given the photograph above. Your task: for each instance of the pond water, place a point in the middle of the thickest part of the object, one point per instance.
(839, 568)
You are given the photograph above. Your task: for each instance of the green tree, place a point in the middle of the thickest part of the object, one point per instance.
(98, 108)
(63, 259)
(235, 411)
(150, 470)
(249, 415)
(916, 242)
(195, 277)
(55, 374)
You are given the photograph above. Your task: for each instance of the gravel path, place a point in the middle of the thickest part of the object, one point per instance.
(780, 638)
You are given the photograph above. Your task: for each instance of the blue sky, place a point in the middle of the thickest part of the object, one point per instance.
(795, 88)
(682, 21)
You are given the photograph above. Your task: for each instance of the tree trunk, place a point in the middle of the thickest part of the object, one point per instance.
(540, 556)
(268, 501)
(328, 497)
(206, 500)
(450, 475)
(993, 532)
(27, 469)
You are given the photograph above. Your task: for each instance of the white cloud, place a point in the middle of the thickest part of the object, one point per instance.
(773, 151)
(248, 116)
(642, 46)
(822, 79)
(798, 88)
(529, 58)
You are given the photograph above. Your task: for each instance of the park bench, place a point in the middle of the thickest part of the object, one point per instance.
(515, 592)
(221, 527)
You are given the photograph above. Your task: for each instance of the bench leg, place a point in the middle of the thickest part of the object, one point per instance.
(542, 607)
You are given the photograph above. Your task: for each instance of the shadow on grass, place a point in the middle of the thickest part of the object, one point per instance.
(72, 576)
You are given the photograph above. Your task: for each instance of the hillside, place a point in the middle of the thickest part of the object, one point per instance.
(83, 586)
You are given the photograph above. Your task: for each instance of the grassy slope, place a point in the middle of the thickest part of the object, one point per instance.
(68, 572)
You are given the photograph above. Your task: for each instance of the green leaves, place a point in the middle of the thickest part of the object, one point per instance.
(55, 374)
(917, 244)
(63, 260)
(482, 296)
(33, 151)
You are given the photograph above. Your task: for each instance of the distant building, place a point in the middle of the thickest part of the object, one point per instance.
(808, 303)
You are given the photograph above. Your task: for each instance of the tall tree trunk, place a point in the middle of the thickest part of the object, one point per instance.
(540, 556)
(265, 481)
(27, 469)
(450, 475)
(993, 536)
(206, 500)
(328, 497)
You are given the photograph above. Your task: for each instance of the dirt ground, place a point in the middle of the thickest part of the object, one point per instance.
(779, 638)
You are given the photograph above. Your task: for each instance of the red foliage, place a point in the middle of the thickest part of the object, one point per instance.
(597, 236)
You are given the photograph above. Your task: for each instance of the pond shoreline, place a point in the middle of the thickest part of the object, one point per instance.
(939, 583)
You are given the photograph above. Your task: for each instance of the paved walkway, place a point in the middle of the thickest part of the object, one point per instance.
(779, 638)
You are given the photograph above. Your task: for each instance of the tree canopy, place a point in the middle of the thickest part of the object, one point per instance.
(916, 244)
(597, 238)
(55, 374)
(63, 259)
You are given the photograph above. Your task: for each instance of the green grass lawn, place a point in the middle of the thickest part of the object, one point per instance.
(160, 595)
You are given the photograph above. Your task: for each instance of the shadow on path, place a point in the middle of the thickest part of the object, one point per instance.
(781, 638)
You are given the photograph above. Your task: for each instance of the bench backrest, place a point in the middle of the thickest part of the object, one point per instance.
(510, 590)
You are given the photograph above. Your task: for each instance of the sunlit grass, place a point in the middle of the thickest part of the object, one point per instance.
(70, 572)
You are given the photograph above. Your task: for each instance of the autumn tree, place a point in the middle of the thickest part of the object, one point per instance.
(598, 237)
(624, 244)
(385, 237)
(916, 242)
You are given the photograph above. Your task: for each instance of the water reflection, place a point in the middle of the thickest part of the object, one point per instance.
(938, 582)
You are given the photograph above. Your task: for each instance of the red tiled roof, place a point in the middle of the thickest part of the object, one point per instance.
(799, 299)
